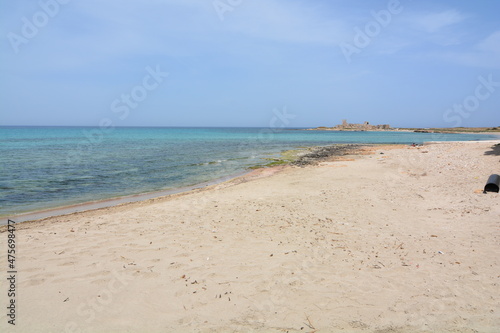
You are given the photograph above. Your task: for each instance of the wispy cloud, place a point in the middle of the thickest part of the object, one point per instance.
(435, 22)
(484, 54)
(491, 44)
(289, 22)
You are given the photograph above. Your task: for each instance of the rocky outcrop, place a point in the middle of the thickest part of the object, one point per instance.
(319, 154)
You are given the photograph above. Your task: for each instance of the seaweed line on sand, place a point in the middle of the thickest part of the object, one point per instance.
(319, 154)
(313, 155)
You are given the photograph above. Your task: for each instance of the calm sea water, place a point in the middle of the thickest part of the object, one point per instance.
(46, 167)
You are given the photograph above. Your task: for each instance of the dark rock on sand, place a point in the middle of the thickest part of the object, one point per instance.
(319, 154)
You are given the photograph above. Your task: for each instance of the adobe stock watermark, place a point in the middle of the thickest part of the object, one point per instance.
(121, 108)
(223, 6)
(31, 27)
(277, 123)
(471, 103)
(364, 36)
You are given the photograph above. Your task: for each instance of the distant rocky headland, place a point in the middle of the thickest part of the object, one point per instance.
(345, 126)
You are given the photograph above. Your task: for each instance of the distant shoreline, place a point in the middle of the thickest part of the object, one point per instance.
(444, 130)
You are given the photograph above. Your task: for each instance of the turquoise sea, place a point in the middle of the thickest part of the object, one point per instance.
(47, 167)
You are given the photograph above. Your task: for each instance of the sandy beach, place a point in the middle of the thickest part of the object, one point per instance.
(393, 239)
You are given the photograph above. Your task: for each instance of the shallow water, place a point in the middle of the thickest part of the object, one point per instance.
(46, 167)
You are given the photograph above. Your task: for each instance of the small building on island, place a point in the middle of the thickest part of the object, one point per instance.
(345, 126)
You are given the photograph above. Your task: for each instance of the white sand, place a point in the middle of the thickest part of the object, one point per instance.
(397, 242)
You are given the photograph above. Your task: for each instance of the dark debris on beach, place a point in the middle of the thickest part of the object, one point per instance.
(319, 154)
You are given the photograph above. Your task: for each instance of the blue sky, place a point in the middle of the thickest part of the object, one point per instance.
(238, 62)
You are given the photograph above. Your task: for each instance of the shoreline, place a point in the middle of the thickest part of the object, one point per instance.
(481, 130)
(293, 155)
(299, 157)
(63, 210)
(20, 201)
